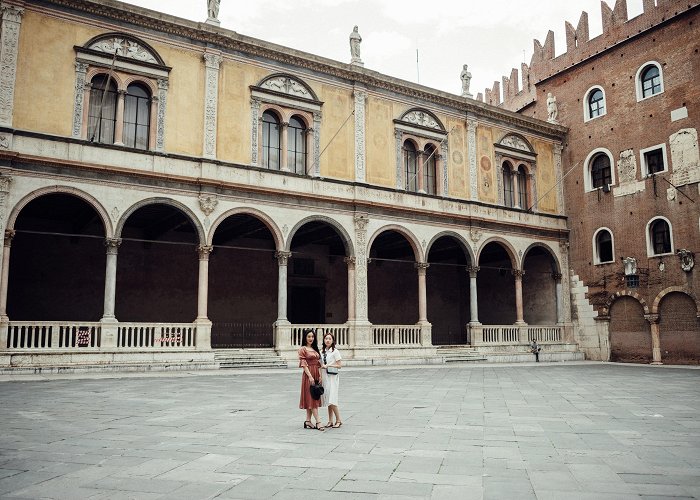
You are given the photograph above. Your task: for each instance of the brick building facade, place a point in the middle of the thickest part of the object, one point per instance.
(630, 98)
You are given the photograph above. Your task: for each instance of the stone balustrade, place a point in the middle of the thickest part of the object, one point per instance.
(340, 332)
(52, 335)
(396, 335)
(514, 334)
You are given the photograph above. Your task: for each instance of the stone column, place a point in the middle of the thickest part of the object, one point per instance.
(473, 300)
(212, 61)
(422, 268)
(516, 190)
(284, 146)
(81, 91)
(420, 165)
(360, 95)
(119, 119)
(350, 261)
(9, 44)
(653, 320)
(360, 327)
(203, 289)
(559, 298)
(283, 329)
(518, 273)
(112, 245)
(9, 234)
(471, 155)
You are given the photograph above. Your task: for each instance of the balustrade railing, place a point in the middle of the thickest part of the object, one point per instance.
(340, 332)
(53, 335)
(156, 335)
(512, 334)
(396, 335)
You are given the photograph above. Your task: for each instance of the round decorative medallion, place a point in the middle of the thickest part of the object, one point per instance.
(485, 163)
(457, 157)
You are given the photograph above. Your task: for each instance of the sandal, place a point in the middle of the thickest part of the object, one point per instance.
(337, 424)
(329, 425)
(307, 424)
(319, 427)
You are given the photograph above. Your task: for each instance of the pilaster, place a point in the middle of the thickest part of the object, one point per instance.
(471, 154)
(212, 61)
(9, 46)
(360, 95)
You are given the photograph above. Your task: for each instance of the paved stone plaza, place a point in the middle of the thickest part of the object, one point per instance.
(547, 431)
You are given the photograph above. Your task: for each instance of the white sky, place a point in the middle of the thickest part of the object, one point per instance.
(488, 36)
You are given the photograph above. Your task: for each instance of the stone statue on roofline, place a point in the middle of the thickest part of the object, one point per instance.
(466, 77)
(355, 40)
(213, 11)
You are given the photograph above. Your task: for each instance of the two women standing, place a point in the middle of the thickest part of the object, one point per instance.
(312, 361)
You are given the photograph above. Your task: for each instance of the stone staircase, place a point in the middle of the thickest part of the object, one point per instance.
(459, 354)
(248, 358)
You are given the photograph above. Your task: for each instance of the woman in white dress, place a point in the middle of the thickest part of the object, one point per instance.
(331, 363)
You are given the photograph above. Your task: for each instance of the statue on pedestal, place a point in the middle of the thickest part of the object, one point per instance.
(213, 11)
(466, 77)
(552, 111)
(355, 40)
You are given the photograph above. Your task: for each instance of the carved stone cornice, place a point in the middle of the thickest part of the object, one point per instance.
(232, 41)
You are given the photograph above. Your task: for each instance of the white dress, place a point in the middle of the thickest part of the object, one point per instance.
(330, 382)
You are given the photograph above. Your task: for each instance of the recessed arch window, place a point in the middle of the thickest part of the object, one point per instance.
(522, 187)
(601, 173)
(594, 103)
(102, 110)
(659, 236)
(410, 164)
(271, 140)
(508, 194)
(296, 145)
(137, 116)
(649, 80)
(603, 246)
(429, 170)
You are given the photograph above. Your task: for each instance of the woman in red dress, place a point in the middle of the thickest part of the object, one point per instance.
(309, 362)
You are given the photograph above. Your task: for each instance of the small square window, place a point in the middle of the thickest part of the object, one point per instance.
(632, 281)
(654, 161)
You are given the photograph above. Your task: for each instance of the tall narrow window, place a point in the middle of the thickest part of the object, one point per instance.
(596, 103)
(660, 237)
(651, 81)
(600, 171)
(508, 198)
(137, 116)
(271, 141)
(429, 170)
(103, 110)
(522, 187)
(410, 156)
(296, 145)
(604, 246)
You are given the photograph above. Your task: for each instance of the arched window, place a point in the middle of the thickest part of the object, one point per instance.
(601, 174)
(596, 103)
(271, 141)
(429, 166)
(604, 246)
(296, 145)
(410, 156)
(507, 185)
(137, 116)
(103, 110)
(660, 235)
(522, 187)
(651, 81)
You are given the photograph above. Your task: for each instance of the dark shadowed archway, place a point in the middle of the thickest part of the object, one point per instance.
(496, 286)
(539, 287)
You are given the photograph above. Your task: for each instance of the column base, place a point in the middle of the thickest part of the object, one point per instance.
(109, 332)
(656, 363)
(360, 333)
(282, 335)
(203, 338)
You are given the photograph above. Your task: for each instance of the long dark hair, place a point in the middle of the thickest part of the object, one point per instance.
(323, 341)
(314, 344)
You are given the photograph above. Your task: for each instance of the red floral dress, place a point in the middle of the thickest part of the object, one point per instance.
(309, 357)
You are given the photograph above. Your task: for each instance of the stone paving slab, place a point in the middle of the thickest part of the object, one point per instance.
(588, 431)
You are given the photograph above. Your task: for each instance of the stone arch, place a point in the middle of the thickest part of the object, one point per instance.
(463, 243)
(96, 71)
(546, 248)
(510, 250)
(91, 200)
(410, 237)
(253, 212)
(671, 289)
(605, 311)
(105, 43)
(347, 241)
(422, 117)
(146, 82)
(289, 85)
(165, 201)
(516, 141)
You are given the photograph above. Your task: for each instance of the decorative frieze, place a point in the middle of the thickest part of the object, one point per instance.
(9, 40)
(211, 98)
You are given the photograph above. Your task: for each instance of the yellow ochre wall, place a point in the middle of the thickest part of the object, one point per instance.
(380, 142)
(338, 160)
(546, 176)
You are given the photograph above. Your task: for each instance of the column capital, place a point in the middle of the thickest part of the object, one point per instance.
(112, 245)
(12, 13)
(204, 251)
(361, 221)
(518, 273)
(282, 257)
(350, 261)
(557, 276)
(212, 60)
(652, 318)
(472, 270)
(421, 266)
(9, 234)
